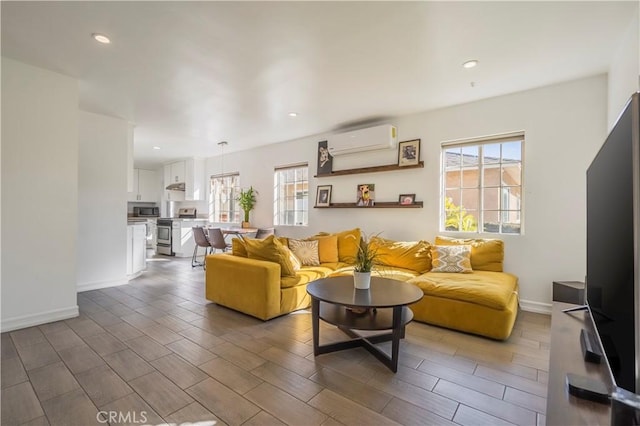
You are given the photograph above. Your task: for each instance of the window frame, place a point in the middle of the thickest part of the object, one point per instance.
(234, 206)
(301, 199)
(480, 186)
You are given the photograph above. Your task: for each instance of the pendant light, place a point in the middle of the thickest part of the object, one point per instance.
(222, 188)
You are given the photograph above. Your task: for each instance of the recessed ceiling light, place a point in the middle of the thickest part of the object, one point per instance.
(101, 38)
(470, 64)
(293, 114)
(156, 147)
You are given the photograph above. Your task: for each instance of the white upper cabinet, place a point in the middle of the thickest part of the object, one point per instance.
(194, 183)
(191, 173)
(177, 172)
(145, 186)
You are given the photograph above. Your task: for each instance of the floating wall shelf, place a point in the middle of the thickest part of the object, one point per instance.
(377, 205)
(373, 169)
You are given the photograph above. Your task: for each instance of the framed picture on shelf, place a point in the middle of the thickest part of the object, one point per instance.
(366, 195)
(325, 160)
(407, 199)
(409, 153)
(323, 196)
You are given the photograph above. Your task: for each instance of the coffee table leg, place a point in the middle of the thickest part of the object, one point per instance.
(397, 334)
(315, 323)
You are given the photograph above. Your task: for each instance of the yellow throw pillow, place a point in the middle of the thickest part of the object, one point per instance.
(306, 251)
(451, 259)
(348, 243)
(414, 255)
(486, 254)
(270, 249)
(238, 248)
(327, 248)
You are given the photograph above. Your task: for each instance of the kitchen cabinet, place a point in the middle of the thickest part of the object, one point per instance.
(145, 186)
(191, 173)
(136, 249)
(176, 172)
(182, 241)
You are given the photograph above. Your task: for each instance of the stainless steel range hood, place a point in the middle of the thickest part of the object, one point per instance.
(176, 187)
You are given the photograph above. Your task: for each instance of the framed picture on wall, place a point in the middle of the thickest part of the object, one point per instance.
(325, 161)
(366, 195)
(323, 196)
(407, 199)
(409, 153)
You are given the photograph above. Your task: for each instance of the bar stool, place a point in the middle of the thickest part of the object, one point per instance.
(201, 241)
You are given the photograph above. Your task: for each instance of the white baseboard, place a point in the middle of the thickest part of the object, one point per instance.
(537, 307)
(97, 285)
(24, 321)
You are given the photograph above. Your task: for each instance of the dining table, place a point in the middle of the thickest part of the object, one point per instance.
(238, 231)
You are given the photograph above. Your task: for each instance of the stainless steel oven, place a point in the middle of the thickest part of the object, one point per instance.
(165, 226)
(164, 237)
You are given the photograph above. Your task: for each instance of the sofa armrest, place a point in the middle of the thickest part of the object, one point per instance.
(246, 285)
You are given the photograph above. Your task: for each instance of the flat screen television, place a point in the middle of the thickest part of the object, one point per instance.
(612, 282)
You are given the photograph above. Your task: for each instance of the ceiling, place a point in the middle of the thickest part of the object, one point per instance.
(191, 74)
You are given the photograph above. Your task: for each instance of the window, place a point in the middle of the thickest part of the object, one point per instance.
(291, 195)
(223, 206)
(482, 185)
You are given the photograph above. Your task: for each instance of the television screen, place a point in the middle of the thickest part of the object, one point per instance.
(612, 227)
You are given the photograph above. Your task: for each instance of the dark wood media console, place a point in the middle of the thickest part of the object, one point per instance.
(566, 357)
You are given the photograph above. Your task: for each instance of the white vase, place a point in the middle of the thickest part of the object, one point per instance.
(362, 280)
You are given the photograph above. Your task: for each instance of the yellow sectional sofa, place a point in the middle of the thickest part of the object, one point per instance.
(483, 301)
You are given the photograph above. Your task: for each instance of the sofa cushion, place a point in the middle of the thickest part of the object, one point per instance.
(490, 289)
(238, 248)
(414, 255)
(486, 254)
(455, 259)
(348, 243)
(394, 273)
(305, 275)
(327, 248)
(390, 272)
(270, 249)
(306, 251)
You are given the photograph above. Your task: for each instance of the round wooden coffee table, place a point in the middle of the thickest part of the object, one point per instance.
(386, 309)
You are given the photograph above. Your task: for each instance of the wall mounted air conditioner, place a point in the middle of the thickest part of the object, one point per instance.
(369, 139)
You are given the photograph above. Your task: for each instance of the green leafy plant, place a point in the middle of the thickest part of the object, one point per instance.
(247, 201)
(457, 218)
(366, 256)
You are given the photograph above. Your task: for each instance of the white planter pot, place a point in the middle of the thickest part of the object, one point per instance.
(362, 280)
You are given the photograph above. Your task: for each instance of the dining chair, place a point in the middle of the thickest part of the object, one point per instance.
(201, 241)
(264, 233)
(217, 241)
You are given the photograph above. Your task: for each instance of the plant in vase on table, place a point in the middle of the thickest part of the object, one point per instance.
(247, 201)
(365, 261)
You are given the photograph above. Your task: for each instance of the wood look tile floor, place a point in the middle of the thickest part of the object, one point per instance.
(156, 352)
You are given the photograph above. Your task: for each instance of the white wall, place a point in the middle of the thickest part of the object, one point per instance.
(39, 195)
(624, 72)
(102, 201)
(564, 126)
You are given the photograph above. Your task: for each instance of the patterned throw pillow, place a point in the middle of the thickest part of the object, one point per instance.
(451, 259)
(306, 251)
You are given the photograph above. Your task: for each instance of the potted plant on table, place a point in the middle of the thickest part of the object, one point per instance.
(365, 260)
(247, 200)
